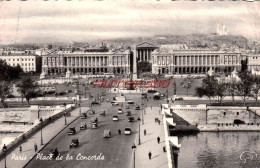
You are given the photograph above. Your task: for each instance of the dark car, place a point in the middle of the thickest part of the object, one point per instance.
(72, 131)
(128, 113)
(131, 119)
(179, 98)
(74, 143)
(103, 113)
(84, 115)
(54, 153)
(137, 108)
(151, 91)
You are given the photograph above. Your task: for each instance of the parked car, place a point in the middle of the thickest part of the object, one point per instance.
(131, 119)
(69, 91)
(120, 111)
(83, 125)
(128, 131)
(72, 131)
(115, 118)
(107, 134)
(179, 98)
(74, 143)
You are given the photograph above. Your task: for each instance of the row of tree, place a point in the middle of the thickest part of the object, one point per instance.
(9, 73)
(247, 86)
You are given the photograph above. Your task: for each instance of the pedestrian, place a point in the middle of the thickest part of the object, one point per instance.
(35, 147)
(159, 121)
(21, 149)
(119, 132)
(158, 140)
(150, 155)
(164, 149)
(144, 132)
(133, 147)
(155, 119)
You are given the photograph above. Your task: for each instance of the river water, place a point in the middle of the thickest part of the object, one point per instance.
(220, 150)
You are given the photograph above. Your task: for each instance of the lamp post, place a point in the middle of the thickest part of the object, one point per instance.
(4, 150)
(79, 109)
(143, 117)
(41, 131)
(134, 148)
(139, 139)
(65, 113)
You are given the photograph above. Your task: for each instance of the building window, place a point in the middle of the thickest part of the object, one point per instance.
(224, 113)
(17, 59)
(237, 113)
(22, 59)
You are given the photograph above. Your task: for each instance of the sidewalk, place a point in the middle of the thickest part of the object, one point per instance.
(149, 142)
(28, 146)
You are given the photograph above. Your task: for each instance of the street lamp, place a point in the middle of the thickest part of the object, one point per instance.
(4, 150)
(139, 140)
(143, 117)
(41, 120)
(79, 109)
(134, 148)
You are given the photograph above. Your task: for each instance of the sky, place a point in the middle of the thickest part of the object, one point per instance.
(67, 21)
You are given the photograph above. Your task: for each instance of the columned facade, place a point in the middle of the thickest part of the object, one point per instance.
(194, 62)
(87, 63)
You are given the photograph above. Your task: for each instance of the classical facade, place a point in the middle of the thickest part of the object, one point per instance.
(253, 62)
(117, 62)
(194, 61)
(26, 61)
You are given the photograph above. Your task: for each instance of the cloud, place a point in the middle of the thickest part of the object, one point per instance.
(89, 20)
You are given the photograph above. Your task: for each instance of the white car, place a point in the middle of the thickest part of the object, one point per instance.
(120, 111)
(115, 118)
(128, 131)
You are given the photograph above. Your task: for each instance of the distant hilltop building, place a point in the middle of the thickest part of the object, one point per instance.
(222, 30)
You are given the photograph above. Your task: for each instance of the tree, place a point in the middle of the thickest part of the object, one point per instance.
(231, 89)
(28, 89)
(4, 92)
(221, 90)
(208, 88)
(243, 87)
(144, 66)
(255, 88)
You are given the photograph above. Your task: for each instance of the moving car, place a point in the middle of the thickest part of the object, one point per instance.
(107, 134)
(72, 131)
(151, 91)
(103, 113)
(91, 112)
(94, 120)
(84, 115)
(94, 125)
(131, 102)
(54, 153)
(120, 111)
(128, 113)
(83, 125)
(131, 119)
(178, 98)
(115, 118)
(128, 131)
(137, 108)
(74, 143)
(114, 103)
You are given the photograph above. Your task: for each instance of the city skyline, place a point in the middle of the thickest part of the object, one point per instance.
(85, 21)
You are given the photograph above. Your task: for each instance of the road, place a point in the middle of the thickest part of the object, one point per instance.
(116, 150)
